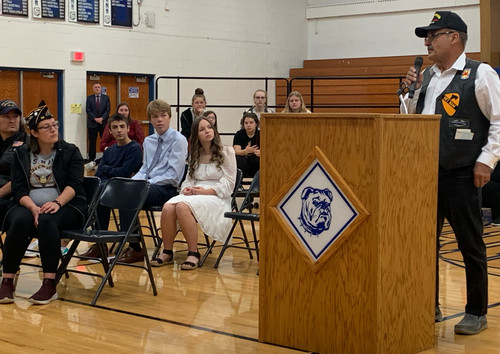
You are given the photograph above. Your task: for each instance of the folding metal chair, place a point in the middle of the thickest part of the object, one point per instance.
(117, 193)
(250, 194)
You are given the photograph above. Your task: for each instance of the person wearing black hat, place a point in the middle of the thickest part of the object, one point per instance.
(466, 93)
(47, 186)
(12, 136)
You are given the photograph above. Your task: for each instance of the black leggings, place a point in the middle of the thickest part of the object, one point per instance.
(20, 227)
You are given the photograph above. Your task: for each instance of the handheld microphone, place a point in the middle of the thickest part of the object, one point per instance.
(417, 65)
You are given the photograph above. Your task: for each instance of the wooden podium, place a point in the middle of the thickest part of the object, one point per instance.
(374, 293)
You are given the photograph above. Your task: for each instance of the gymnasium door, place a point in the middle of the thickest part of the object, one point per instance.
(39, 86)
(35, 86)
(135, 90)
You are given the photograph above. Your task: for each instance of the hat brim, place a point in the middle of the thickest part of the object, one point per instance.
(8, 109)
(422, 31)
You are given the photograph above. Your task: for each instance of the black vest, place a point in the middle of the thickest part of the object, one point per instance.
(459, 110)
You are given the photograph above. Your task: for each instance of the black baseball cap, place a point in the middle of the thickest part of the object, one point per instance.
(8, 105)
(442, 19)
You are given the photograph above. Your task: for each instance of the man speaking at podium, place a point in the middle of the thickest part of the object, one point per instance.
(466, 94)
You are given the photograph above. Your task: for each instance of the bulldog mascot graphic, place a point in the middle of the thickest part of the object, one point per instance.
(316, 213)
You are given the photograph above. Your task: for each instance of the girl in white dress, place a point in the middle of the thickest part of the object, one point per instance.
(204, 197)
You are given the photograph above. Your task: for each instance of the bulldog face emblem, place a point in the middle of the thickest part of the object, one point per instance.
(316, 213)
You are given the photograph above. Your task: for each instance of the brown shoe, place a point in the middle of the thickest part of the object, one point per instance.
(131, 256)
(7, 291)
(93, 252)
(46, 294)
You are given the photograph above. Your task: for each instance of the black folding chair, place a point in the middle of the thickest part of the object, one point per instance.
(117, 193)
(234, 208)
(244, 213)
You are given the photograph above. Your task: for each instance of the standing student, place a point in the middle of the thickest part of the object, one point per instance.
(466, 93)
(98, 107)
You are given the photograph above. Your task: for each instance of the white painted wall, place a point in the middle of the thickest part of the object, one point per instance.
(380, 28)
(194, 38)
(221, 38)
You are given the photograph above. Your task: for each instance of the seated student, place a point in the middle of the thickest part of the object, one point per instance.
(12, 137)
(122, 159)
(212, 118)
(47, 186)
(246, 145)
(491, 196)
(295, 103)
(165, 155)
(205, 196)
(198, 103)
(134, 133)
(260, 106)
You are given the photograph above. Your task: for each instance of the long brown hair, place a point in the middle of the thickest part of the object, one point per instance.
(195, 147)
(121, 104)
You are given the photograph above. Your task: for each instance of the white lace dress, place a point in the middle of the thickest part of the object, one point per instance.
(209, 210)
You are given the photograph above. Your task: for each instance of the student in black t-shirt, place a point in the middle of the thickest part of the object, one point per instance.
(246, 144)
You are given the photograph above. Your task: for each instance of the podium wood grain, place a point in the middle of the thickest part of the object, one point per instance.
(376, 292)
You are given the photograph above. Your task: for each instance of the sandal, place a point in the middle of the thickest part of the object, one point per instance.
(158, 262)
(190, 265)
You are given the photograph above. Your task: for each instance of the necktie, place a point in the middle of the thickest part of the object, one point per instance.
(155, 158)
(97, 101)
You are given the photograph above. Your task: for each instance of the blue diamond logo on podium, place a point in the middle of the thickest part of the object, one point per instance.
(317, 208)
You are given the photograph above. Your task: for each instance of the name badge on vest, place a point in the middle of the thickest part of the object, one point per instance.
(464, 134)
(461, 125)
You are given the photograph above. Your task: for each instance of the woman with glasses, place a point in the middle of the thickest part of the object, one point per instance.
(47, 188)
(260, 103)
(212, 118)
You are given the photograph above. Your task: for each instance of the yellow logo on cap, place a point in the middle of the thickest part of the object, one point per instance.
(450, 103)
(436, 17)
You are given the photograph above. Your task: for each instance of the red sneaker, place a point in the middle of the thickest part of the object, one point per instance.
(46, 294)
(7, 291)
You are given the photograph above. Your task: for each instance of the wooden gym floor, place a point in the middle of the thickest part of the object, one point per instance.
(201, 311)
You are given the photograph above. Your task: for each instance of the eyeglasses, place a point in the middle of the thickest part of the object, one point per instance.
(260, 97)
(49, 126)
(431, 37)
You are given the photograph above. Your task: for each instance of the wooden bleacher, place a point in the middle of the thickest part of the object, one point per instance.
(366, 85)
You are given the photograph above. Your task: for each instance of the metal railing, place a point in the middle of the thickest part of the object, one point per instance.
(179, 79)
(312, 81)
